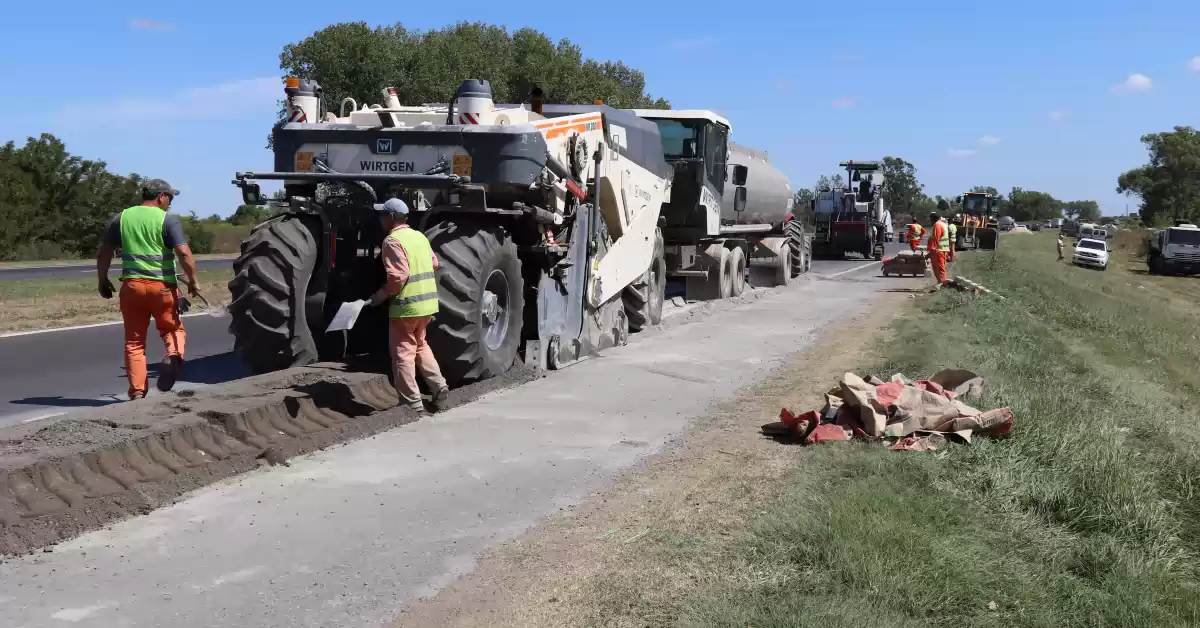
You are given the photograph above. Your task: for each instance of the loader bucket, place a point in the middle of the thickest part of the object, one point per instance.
(986, 238)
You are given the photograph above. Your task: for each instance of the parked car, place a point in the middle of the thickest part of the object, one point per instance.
(1091, 252)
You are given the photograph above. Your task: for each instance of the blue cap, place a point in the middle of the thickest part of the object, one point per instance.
(393, 206)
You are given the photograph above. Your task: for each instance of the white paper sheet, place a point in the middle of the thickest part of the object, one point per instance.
(346, 316)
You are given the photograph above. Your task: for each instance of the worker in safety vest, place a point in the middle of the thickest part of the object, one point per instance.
(410, 287)
(149, 240)
(953, 240)
(939, 247)
(915, 231)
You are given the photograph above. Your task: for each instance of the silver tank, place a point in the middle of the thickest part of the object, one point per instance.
(769, 194)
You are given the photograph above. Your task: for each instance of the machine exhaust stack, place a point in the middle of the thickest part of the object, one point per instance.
(390, 100)
(303, 99)
(473, 102)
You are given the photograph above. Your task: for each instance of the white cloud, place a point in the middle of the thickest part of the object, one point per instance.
(1058, 115)
(960, 153)
(1135, 83)
(143, 24)
(844, 102)
(687, 45)
(1194, 64)
(989, 140)
(248, 98)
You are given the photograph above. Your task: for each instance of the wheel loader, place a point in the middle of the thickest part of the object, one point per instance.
(978, 226)
(545, 221)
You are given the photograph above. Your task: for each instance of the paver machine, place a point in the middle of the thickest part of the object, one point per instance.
(978, 223)
(851, 220)
(544, 221)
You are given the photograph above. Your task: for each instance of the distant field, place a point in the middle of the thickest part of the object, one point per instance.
(63, 301)
(90, 262)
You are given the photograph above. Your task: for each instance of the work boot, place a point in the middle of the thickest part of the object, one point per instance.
(169, 371)
(438, 399)
(137, 395)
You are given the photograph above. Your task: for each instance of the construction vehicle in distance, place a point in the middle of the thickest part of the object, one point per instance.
(1174, 250)
(851, 220)
(545, 220)
(977, 224)
(728, 208)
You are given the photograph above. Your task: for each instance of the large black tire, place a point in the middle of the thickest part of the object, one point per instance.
(481, 300)
(800, 247)
(271, 276)
(644, 298)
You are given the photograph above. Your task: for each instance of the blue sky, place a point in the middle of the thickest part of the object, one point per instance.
(1049, 96)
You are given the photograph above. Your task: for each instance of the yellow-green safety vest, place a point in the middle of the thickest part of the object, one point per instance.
(953, 233)
(419, 295)
(943, 243)
(144, 254)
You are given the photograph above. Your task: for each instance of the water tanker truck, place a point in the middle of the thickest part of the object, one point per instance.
(729, 207)
(550, 223)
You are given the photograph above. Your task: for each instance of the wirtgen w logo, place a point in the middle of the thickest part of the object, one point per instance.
(383, 146)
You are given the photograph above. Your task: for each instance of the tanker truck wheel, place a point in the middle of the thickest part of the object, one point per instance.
(644, 298)
(268, 292)
(481, 300)
(800, 246)
(737, 272)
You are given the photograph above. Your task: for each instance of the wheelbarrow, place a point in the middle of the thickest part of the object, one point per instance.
(913, 263)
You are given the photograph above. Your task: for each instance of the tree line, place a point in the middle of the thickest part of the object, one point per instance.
(905, 196)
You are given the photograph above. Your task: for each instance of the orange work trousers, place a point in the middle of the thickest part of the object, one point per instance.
(141, 300)
(937, 259)
(410, 353)
(914, 243)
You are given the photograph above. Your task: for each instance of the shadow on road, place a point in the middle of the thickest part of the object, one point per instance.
(65, 402)
(210, 369)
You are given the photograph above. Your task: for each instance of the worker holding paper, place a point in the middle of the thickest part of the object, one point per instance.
(410, 287)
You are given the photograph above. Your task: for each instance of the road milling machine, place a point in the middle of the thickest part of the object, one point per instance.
(544, 221)
(556, 226)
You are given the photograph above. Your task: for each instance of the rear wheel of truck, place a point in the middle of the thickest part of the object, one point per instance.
(799, 246)
(644, 298)
(481, 300)
(269, 291)
(737, 271)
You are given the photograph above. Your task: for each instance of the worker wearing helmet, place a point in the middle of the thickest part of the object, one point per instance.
(410, 263)
(149, 241)
(915, 231)
(939, 247)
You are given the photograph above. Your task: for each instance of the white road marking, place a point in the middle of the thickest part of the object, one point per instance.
(89, 326)
(48, 415)
(838, 274)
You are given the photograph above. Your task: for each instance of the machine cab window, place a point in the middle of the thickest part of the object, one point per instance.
(715, 151)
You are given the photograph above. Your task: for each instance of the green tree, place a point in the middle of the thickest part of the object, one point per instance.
(249, 215)
(986, 189)
(48, 196)
(199, 235)
(1086, 211)
(836, 182)
(1169, 185)
(943, 205)
(901, 190)
(352, 59)
(1026, 205)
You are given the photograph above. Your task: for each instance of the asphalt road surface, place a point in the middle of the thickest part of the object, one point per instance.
(349, 535)
(74, 270)
(47, 374)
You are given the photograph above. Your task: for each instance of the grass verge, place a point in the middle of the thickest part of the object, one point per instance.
(27, 304)
(1087, 516)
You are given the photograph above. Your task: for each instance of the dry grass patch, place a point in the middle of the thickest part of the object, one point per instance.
(63, 301)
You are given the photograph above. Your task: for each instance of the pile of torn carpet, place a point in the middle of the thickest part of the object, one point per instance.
(915, 416)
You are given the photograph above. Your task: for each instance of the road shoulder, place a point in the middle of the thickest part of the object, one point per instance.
(580, 568)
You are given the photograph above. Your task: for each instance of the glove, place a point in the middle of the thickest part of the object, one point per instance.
(106, 288)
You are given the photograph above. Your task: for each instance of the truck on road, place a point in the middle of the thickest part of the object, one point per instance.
(851, 220)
